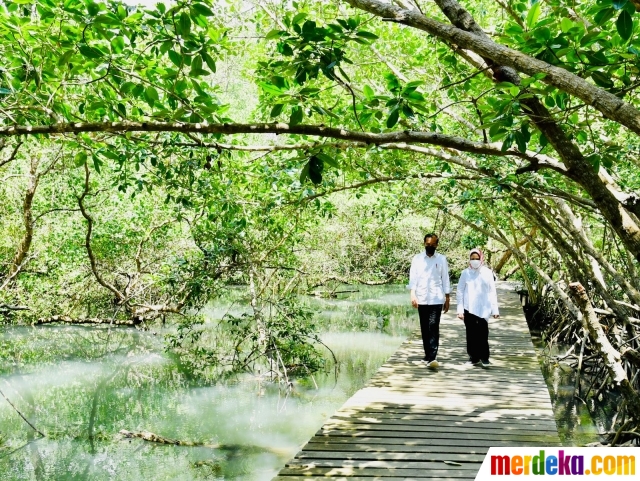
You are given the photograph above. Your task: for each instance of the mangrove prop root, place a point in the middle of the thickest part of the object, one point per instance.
(610, 356)
(631, 355)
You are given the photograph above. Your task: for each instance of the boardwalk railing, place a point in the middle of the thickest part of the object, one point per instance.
(411, 422)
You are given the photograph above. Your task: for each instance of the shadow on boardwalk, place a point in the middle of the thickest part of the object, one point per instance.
(411, 422)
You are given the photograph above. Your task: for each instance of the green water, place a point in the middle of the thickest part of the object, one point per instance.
(81, 386)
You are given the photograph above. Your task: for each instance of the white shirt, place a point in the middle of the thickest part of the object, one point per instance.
(429, 277)
(477, 292)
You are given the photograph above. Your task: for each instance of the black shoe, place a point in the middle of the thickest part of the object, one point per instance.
(485, 362)
(472, 362)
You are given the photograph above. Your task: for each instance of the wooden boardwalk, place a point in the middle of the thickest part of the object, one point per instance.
(411, 422)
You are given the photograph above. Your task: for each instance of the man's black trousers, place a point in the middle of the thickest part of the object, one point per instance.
(430, 327)
(477, 337)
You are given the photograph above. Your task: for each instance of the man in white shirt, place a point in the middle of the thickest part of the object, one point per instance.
(430, 289)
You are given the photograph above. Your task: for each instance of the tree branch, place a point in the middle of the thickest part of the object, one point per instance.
(407, 136)
(87, 243)
(611, 106)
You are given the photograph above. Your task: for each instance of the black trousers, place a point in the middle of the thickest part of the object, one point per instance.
(477, 337)
(430, 327)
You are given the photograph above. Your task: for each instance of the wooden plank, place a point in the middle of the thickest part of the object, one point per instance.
(522, 436)
(392, 456)
(411, 442)
(368, 463)
(434, 422)
(408, 420)
(352, 471)
(487, 428)
(446, 413)
(335, 477)
(315, 444)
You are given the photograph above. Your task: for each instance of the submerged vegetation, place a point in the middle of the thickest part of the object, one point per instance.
(153, 156)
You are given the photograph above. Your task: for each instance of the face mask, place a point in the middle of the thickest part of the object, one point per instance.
(475, 263)
(430, 250)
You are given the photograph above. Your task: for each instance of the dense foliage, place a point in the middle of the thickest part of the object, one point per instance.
(152, 155)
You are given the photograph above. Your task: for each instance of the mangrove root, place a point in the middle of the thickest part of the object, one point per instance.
(610, 356)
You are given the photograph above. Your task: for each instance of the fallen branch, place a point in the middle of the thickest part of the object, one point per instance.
(6, 308)
(155, 438)
(95, 321)
(22, 416)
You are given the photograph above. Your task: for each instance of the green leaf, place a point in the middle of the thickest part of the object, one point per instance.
(299, 17)
(532, 16)
(296, 115)
(604, 16)
(107, 19)
(521, 142)
(175, 58)
(270, 88)
(602, 79)
(316, 166)
(96, 163)
(322, 111)
(513, 29)
(276, 110)
(624, 25)
(201, 9)
(417, 96)
(196, 66)
(80, 159)
(92, 8)
(566, 24)
(89, 52)
(594, 160)
(316, 177)
(543, 34)
(65, 57)
(117, 44)
(407, 111)
(368, 92)
(393, 117)
(365, 34)
(151, 95)
(330, 161)
(304, 173)
(209, 61)
(185, 24)
(274, 34)
(508, 141)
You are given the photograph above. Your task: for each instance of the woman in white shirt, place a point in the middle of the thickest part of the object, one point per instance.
(477, 301)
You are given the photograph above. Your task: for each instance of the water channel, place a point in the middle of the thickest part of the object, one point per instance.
(82, 385)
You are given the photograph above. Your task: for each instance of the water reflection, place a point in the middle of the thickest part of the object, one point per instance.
(575, 424)
(82, 385)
